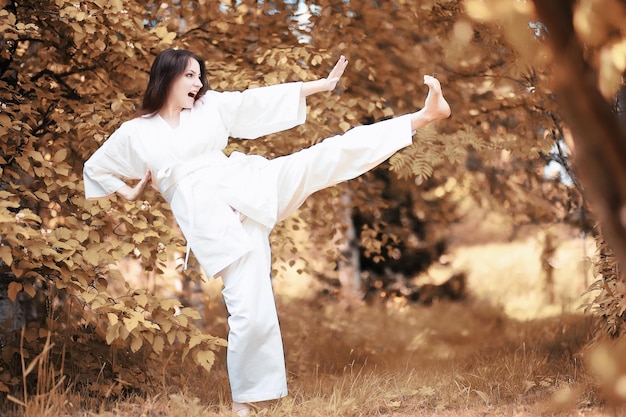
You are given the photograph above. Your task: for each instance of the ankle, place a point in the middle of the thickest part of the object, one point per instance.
(421, 118)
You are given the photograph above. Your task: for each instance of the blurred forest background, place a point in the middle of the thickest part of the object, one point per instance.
(478, 269)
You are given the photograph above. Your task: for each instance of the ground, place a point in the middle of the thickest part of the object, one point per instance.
(503, 351)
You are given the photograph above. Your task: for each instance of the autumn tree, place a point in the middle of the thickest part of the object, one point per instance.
(581, 59)
(70, 73)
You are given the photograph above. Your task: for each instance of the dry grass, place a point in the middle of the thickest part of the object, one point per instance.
(502, 352)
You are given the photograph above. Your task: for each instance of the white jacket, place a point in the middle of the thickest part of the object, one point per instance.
(203, 186)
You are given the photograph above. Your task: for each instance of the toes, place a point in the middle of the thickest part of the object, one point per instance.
(431, 81)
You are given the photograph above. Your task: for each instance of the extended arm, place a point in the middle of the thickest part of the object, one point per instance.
(263, 110)
(325, 84)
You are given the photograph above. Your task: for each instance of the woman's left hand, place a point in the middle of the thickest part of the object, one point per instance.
(336, 73)
(325, 84)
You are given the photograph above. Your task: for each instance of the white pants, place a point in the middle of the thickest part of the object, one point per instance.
(256, 365)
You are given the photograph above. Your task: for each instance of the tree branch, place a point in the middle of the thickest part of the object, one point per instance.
(59, 77)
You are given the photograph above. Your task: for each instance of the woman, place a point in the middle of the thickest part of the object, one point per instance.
(226, 206)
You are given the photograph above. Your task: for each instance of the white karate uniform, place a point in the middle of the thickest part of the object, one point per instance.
(226, 206)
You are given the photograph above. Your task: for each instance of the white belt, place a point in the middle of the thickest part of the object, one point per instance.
(168, 179)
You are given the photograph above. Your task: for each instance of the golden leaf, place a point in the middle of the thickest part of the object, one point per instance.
(78, 29)
(60, 155)
(169, 304)
(205, 358)
(98, 302)
(317, 59)
(195, 340)
(123, 332)
(89, 296)
(31, 335)
(160, 31)
(112, 333)
(182, 320)
(14, 288)
(91, 256)
(141, 299)
(131, 323)
(62, 233)
(37, 156)
(5, 120)
(113, 319)
(27, 215)
(345, 126)
(127, 248)
(169, 38)
(6, 254)
(164, 322)
(171, 336)
(94, 236)
(42, 195)
(148, 337)
(158, 344)
(191, 313)
(138, 237)
(81, 235)
(135, 345)
(30, 290)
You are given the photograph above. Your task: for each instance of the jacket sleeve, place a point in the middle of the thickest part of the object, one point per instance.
(104, 171)
(260, 111)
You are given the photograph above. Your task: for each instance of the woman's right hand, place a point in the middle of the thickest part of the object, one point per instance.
(133, 193)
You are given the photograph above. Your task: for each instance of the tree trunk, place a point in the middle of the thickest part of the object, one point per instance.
(348, 265)
(599, 140)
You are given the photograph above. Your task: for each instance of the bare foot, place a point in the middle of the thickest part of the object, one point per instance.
(435, 107)
(241, 409)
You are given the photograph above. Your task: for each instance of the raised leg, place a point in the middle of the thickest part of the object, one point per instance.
(344, 157)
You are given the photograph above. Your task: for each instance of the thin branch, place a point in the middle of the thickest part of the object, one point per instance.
(73, 94)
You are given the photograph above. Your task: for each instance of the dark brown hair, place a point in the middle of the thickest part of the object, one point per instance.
(167, 66)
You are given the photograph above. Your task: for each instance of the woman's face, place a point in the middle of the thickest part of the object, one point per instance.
(184, 88)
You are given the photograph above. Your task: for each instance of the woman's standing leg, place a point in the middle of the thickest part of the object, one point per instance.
(255, 358)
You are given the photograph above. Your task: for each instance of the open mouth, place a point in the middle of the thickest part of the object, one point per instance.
(192, 95)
